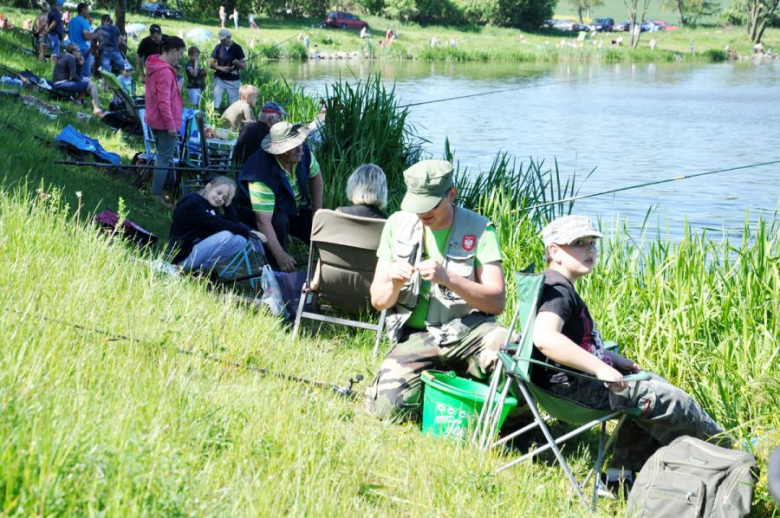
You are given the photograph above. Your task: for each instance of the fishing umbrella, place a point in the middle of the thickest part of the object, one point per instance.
(199, 35)
(134, 29)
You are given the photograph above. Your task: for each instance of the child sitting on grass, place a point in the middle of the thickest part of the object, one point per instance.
(241, 111)
(565, 335)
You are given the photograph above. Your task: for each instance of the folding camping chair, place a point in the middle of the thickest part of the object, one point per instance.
(128, 115)
(243, 260)
(516, 363)
(345, 248)
(179, 154)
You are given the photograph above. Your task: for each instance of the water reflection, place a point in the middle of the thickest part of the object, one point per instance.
(631, 122)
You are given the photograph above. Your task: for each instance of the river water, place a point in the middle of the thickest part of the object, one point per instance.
(628, 123)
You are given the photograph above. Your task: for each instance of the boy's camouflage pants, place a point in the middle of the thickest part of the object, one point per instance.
(396, 392)
(666, 412)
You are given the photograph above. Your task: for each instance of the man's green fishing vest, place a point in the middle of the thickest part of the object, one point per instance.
(446, 308)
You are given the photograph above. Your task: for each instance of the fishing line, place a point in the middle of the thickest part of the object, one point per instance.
(271, 47)
(112, 337)
(647, 184)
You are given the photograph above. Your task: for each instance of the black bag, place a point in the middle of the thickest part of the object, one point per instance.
(693, 478)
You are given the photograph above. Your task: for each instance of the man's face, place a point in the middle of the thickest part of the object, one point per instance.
(84, 12)
(156, 37)
(175, 56)
(227, 41)
(438, 217)
(293, 156)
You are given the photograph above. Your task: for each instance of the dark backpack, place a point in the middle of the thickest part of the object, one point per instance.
(693, 478)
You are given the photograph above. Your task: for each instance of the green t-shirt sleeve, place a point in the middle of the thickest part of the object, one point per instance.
(314, 167)
(384, 251)
(261, 197)
(488, 248)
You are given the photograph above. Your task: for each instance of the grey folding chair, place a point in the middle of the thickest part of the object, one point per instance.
(342, 260)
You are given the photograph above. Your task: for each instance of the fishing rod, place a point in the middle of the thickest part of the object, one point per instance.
(346, 390)
(145, 167)
(646, 184)
(271, 47)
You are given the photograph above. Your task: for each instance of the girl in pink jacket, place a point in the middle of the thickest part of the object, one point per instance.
(164, 109)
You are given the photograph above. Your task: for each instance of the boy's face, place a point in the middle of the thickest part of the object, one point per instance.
(576, 259)
(126, 73)
(252, 99)
(195, 56)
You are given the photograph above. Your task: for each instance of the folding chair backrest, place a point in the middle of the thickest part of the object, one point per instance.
(529, 289)
(149, 144)
(346, 248)
(113, 84)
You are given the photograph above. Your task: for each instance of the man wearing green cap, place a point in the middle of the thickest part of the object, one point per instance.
(439, 275)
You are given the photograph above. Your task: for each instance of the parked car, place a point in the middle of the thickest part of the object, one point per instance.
(344, 20)
(650, 26)
(602, 25)
(665, 25)
(161, 10)
(623, 26)
(568, 25)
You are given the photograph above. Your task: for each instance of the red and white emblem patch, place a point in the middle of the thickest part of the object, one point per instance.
(468, 242)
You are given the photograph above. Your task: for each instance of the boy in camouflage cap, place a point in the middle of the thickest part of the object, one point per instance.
(565, 335)
(439, 275)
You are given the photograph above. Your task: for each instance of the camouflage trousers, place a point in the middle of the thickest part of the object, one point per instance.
(665, 412)
(396, 392)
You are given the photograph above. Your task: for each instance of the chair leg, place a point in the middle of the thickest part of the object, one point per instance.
(551, 443)
(611, 439)
(597, 467)
(304, 294)
(481, 428)
(379, 332)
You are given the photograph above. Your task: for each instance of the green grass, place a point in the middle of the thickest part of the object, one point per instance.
(167, 421)
(473, 43)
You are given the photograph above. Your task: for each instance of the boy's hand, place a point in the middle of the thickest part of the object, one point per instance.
(400, 272)
(611, 376)
(432, 271)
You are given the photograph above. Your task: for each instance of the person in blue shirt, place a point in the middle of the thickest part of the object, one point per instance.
(55, 30)
(109, 45)
(80, 32)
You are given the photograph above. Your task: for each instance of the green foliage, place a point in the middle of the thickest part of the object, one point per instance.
(527, 14)
(737, 13)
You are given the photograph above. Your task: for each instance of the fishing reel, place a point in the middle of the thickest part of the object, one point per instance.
(347, 391)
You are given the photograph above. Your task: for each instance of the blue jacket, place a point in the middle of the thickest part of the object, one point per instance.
(263, 167)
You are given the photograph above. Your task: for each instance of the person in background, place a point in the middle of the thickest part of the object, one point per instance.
(66, 19)
(55, 30)
(39, 30)
(222, 16)
(252, 22)
(227, 60)
(196, 77)
(164, 110)
(234, 17)
(280, 189)
(440, 277)
(149, 46)
(251, 137)
(80, 33)
(126, 79)
(67, 76)
(109, 44)
(200, 235)
(241, 112)
(367, 190)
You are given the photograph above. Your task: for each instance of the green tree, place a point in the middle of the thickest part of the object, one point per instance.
(585, 6)
(688, 11)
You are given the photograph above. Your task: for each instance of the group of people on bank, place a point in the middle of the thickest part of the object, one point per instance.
(440, 277)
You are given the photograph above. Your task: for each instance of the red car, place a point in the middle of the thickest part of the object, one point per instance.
(343, 20)
(665, 26)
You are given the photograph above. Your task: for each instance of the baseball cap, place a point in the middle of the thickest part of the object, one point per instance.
(568, 229)
(427, 182)
(272, 107)
(155, 29)
(223, 33)
(59, 2)
(128, 67)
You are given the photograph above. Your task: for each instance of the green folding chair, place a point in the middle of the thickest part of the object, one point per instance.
(514, 373)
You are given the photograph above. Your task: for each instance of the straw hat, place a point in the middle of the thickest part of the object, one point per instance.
(284, 136)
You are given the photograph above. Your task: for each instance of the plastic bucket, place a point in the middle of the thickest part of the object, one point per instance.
(451, 405)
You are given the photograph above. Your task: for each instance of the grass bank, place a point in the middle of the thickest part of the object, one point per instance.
(168, 421)
(475, 43)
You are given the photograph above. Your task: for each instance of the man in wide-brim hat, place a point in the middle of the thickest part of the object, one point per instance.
(280, 188)
(440, 278)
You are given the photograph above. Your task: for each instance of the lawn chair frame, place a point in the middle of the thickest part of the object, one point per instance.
(515, 367)
(325, 236)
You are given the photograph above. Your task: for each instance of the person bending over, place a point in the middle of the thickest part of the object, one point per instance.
(67, 76)
(439, 275)
(280, 190)
(200, 235)
(565, 334)
(241, 112)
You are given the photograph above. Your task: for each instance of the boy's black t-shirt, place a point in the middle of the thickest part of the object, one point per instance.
(560, 297)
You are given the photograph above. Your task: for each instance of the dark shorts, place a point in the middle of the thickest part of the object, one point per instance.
(72, 86)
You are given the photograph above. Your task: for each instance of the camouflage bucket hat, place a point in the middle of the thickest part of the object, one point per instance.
(427, 182)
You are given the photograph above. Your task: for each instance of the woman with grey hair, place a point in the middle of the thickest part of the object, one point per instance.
(367, 190)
